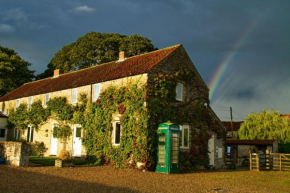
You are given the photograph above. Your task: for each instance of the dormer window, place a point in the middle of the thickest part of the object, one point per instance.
(179, 92)
(74, 96)
(17, 103)
(97, 88)
(46, 99)
(29, 102)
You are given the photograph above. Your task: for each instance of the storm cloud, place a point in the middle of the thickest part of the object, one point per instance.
(257, 76)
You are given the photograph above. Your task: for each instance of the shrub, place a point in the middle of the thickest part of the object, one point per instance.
(37, 148)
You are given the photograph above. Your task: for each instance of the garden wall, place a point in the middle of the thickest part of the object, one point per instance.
(15, 153)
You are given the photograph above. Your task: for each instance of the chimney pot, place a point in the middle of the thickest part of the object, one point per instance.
(122, 56)
(56, 73)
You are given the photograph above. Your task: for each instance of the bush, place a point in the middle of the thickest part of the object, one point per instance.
(37, 148)
(64, 155)
(284, 147)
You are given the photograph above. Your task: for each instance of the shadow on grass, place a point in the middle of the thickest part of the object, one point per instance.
(15, 179)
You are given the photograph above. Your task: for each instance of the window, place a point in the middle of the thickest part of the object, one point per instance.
(117, 133)
(179, 91)
(46, 99)
(96, 92)
(2, 133)
(17, 103)
(74, 96)
(184, 136)
(29, 102)
(30, 131)
(17, 134)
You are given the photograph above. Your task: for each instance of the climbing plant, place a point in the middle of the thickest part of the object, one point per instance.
(163, 106)
(129, 103)
(141, 109)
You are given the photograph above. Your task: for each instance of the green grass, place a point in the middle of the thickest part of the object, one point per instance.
(49, 161)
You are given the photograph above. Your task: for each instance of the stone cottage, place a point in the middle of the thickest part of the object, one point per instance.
(173, 90)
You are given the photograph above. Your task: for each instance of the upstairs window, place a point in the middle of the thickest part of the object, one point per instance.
(74, 96)
(46, 99)
(184, 136)
(17, 103)
(117, 133)
(29, 102)
(179, 92)
(96, 92)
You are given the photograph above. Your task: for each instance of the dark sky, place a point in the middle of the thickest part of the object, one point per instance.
(251, 36)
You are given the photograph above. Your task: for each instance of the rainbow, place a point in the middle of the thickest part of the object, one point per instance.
(222, 68)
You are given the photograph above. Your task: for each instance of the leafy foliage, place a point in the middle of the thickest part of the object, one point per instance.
(96, 48)
(13, 70)
(19, 117)
(163, 107)
(98, 126)
(37, 148)
(266, 125)
(37, 114)
(62, 132)
(140, 109)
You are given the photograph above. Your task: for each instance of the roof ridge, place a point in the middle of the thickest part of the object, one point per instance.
(96, 66)
(133, 65)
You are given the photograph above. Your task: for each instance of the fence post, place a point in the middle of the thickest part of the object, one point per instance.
(257, 162)
(251, 166)
(280, 159)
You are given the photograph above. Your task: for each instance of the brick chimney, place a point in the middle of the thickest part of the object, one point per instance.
(122, 56)
(56, 73)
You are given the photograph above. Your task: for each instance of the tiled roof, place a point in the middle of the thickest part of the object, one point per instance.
(109, 71)
(236, 125)
(285, 115)
(249, 142)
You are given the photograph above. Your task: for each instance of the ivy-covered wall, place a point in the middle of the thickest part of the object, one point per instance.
(140, 107)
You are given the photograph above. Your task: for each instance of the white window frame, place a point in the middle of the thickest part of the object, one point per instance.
(17, 134)
(74, 95)
(46, 99)
(17, 103)
(29, 101)
(182, 127)
(114, 133)
(96, 94)
(181, 97)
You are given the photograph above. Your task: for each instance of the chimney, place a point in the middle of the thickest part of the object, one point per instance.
(56, 73)
(122, 56)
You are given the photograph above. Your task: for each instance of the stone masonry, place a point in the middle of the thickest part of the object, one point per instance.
(15, 153)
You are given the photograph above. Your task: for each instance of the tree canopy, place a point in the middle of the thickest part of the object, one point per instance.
(13, 70)
(94, 49)
(266, 125)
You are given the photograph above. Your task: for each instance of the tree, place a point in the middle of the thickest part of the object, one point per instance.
(266, 125)
(13, 70)
(94, 49)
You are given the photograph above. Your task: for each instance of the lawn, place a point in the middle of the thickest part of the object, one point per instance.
(49, 161)
(109, 179)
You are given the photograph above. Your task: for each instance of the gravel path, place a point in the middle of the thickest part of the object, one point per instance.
(108, 179)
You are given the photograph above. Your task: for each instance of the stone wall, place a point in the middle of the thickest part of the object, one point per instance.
(15, 153)
(195, 92)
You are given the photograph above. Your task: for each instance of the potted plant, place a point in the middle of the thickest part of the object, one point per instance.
(63, 132)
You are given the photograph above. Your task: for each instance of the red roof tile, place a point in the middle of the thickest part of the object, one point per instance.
(249, 142)
(109, 71)
(236, 125)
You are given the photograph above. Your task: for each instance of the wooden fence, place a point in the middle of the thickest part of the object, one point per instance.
(269, 161)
